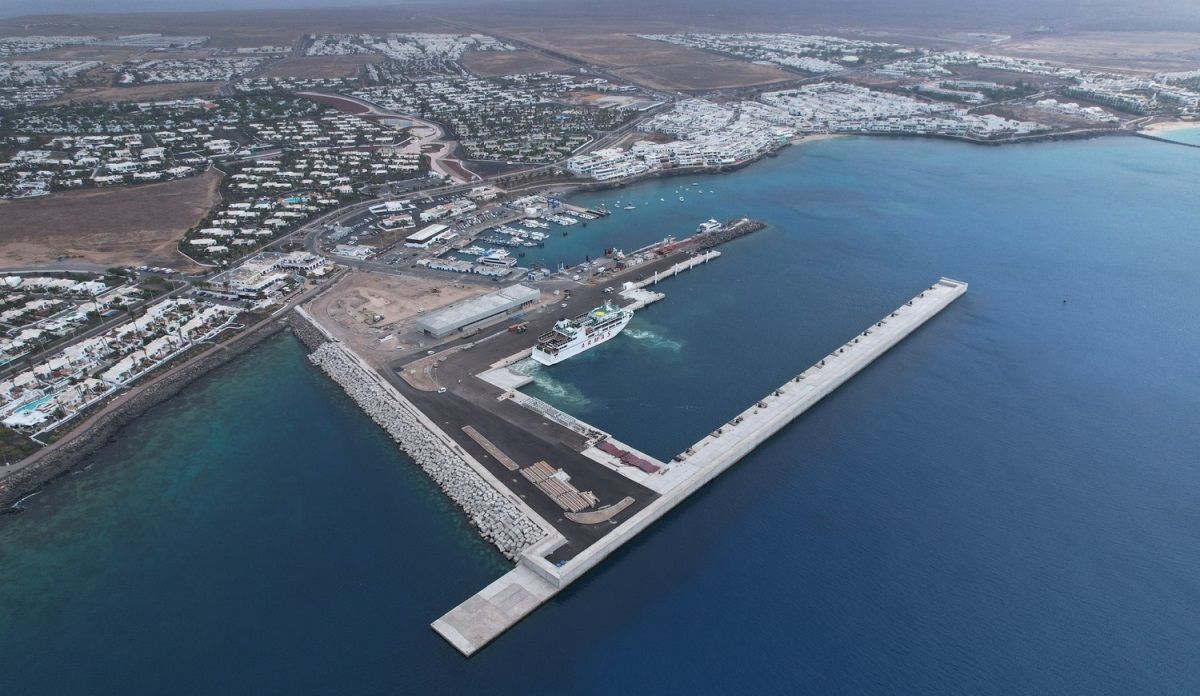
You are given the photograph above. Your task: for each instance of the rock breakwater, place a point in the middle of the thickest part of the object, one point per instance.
(498, 519)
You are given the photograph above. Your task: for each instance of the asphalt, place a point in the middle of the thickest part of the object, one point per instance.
(524, 435)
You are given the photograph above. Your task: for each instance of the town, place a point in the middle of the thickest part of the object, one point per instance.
(397, 200)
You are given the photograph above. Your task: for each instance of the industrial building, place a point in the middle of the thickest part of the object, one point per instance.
(428, 235)
(460, 315)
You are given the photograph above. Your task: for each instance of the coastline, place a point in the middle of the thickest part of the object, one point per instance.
(61, 457)
(498, 515)
(818, 137)
(1168, 126)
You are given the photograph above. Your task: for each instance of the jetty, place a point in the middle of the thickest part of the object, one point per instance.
(536, 577)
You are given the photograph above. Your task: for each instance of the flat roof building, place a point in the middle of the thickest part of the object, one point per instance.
(460, 315)
(422, 238)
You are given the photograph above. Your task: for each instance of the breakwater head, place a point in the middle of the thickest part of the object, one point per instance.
(481, 618)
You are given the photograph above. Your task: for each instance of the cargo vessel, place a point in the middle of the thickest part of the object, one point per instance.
(570, 337)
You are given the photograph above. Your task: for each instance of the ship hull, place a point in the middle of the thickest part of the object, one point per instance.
(585, 343)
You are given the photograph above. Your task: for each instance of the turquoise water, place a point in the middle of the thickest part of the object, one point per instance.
(1184, 135)
(34, 404)
(1003, 504)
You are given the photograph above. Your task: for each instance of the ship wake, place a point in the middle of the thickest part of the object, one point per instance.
(557, 393)
(654, 340)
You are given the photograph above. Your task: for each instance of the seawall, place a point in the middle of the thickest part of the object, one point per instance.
(62, 457)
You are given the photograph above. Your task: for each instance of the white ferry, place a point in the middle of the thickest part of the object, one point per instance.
(709, 226)
(571, 337)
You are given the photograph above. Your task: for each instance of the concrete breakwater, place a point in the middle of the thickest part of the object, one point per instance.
(60, 458)
(481, 618)
(498, 519)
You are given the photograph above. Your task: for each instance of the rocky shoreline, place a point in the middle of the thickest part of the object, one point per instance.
(497, 518)
(71, 453)
(309, 335)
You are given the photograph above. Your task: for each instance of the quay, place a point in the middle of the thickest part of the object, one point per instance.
(542, 570)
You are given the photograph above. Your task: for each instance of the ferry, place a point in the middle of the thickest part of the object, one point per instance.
(709, 225)
(571, 337)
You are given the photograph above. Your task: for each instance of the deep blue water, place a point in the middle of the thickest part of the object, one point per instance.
(1005, 503)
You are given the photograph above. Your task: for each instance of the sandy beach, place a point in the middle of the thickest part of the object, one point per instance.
(1168, 126)
(816, 137)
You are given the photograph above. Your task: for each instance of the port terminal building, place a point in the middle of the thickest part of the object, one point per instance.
(477, 310)
(429, 235)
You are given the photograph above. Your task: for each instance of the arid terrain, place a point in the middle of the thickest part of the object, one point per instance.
(364, 308)
(167, 90)
(311, 67)
(494, 63)
(654, 63)
(107, 226)
(1136, 50)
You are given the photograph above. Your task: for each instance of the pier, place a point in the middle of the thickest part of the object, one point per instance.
(536, 578)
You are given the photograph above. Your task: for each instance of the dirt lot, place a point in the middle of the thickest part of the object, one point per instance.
(104, 54)
(364, 308)
(313, 67)
(717, 74)
(494, 63)
(655, 63)
(1135, 50)
(174, 90)
(108, 226)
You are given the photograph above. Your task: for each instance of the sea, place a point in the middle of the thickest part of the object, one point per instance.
(1005, 503)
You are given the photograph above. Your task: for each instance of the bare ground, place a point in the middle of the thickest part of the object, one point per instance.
(496, 63)
(104, 54)
(365, 307)
(173, 90)
(1133, 50)
(315, 67)
(656, 63)
(717, 74)
(106, 226)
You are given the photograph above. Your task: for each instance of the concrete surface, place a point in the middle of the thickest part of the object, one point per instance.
(500, 605)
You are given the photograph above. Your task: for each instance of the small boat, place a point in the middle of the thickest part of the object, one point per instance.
(630, 207)
(681, 198)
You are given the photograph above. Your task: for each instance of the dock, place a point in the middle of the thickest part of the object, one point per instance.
(535, 579)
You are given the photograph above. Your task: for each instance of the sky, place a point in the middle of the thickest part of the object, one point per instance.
(1091, 14)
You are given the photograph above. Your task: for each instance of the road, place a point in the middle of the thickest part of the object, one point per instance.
(105, 325)
(524, 435)
(122, 398)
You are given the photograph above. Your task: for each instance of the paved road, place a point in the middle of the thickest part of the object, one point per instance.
(140, 386)
(18, 365)
(520, 433)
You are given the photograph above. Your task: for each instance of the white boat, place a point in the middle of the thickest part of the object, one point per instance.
(709, 225)
(570, 337)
